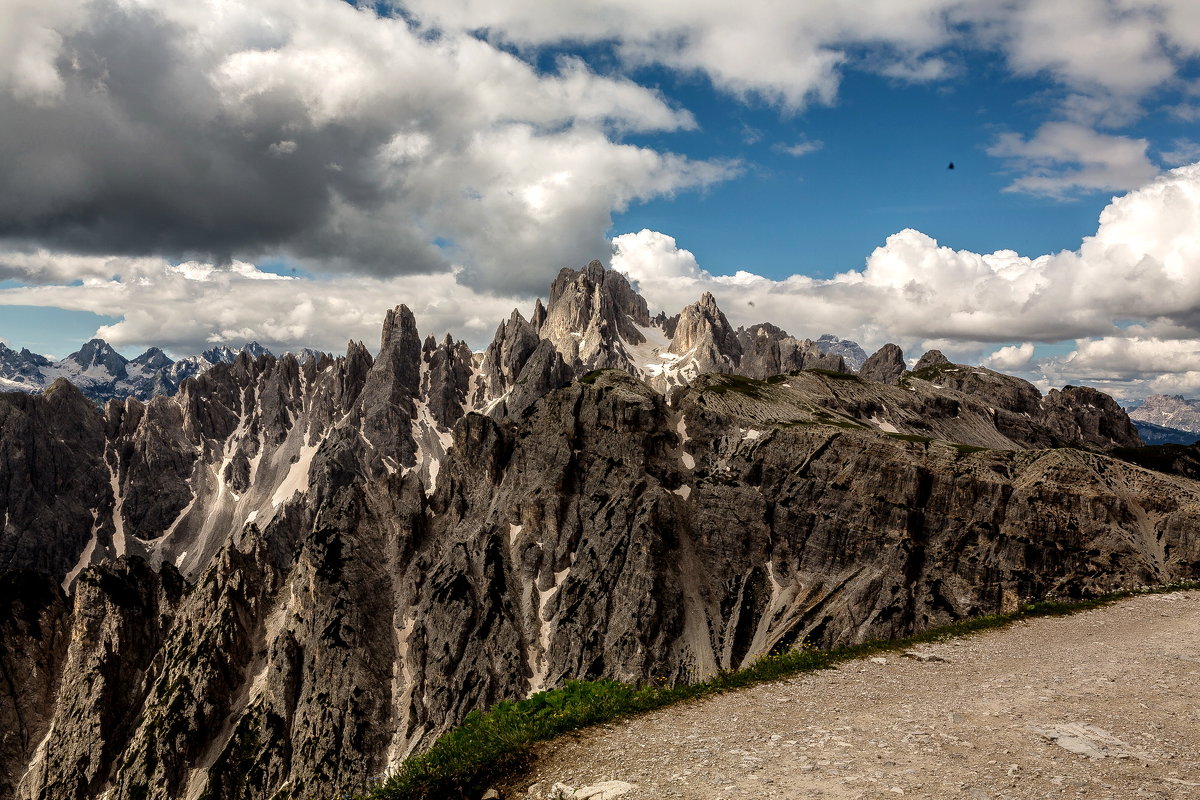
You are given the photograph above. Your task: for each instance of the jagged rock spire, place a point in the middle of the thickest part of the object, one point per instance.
(885, 365)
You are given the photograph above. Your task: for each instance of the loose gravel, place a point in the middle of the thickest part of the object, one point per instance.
(1102, 704)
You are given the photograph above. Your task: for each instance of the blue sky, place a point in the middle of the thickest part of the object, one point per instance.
(285, 171)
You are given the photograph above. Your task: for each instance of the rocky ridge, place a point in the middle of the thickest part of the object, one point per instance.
(1169, 411)
(293, 574)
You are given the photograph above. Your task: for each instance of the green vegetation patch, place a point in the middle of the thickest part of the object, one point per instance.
(491, 745)
(911, 437)
(737, 384)
(932, 372)
(837, 376)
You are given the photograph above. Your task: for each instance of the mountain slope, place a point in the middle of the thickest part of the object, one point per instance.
(1082, 705)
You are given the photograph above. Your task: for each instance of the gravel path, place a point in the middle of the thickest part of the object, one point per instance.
(1104, 704)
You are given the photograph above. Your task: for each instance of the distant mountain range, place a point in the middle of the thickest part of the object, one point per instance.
(1167, 419)
(102, 373)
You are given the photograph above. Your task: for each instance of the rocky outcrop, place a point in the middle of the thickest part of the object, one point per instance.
(885, 365)
(703, 335)
(932, 360)
(767, 350)
(1074, 416)
(446, 380)
(121, 614)
(505, 357)
(34, 635)
(850, 352)
(590, 311)
(1083, 414)
(54, 484)
(1169, 411)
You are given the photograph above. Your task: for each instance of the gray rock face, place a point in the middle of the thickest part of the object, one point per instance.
(34, 617)
(52, 478)
(1071, 417)
(291, 574)
(767, 350)
(851, 353)
(885, 365)
(447, 370)
(1169, 411)
(504, 358)
(931, 359)
(589, 311)
(703, 334)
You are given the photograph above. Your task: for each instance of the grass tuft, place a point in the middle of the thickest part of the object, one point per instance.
(493, 744)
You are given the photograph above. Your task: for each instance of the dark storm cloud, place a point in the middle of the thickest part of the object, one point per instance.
(317, 131)
(138, 156)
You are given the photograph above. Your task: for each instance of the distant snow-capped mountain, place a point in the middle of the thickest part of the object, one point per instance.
(1169, 411)
(102, 373)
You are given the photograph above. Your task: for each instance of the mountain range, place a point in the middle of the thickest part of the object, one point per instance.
(292, 573)
(101, 373)
(1167, 419)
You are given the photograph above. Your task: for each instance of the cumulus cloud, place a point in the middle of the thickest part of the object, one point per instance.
(1064, 157)
(1121, 47)
(185, 308)
(1010, 358)
(1128, 288)
(343, 139)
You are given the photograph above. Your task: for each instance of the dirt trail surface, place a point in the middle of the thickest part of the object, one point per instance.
(1102, 704)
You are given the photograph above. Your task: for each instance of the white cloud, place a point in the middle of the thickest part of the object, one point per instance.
(1185, 112)
(793, 54)
(1010, 358)
(1064, 157)
(1119, 47)
(801, 148)
(790, 54)
(31, 39)
(1183, 151)
(187, 307)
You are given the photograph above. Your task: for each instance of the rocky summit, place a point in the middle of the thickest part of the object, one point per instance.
(289, 574)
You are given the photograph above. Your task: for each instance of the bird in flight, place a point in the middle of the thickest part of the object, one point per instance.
(951, 165)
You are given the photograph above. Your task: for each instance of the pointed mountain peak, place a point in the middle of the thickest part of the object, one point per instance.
(885, 365)
(154, 358)
(255, 350)
(933, 358)
(592, 299)
(98, 358)
(399, 326)
(705, 333)
(221, 354)
(539, 314)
